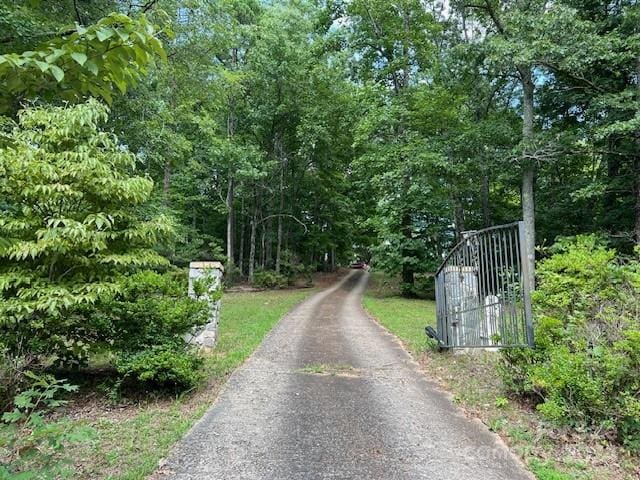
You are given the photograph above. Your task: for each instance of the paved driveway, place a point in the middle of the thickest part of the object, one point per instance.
(331, 395)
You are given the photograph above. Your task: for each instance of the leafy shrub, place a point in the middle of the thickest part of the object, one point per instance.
(292, 268)
(232, 275)
(72, 225)
(269, 279)
(207, 288)
(585, 369)
(30, 446)
(161, 367)
(150, 309)
(424, 287)
(146, 325)
(407, 290)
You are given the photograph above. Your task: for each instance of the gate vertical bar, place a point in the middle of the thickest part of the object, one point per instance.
(441, 308)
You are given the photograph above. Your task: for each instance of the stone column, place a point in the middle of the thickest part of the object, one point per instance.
(211, 274)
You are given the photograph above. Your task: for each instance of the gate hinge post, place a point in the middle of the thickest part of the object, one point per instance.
(526, 284)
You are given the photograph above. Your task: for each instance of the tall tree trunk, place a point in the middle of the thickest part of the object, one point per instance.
(636, 165)
(528, 172)
(262, 245)
(166, 180)
(333, 259)
(458, 215)
(279, 244)
(268, 253)
(484, 195)
(230, 221)
(528, 166)
(252, 241)
(407, 269)
(241, 247)
(231, 130)
(280, 218)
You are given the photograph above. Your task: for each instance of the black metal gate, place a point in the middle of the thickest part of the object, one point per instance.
(483, 292)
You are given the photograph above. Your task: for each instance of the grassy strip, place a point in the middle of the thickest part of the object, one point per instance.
(405, 317)
(551, 453)
(130, 440)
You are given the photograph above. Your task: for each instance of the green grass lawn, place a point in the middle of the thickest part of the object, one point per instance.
(404, 317)
(551, 453)
(131, 439)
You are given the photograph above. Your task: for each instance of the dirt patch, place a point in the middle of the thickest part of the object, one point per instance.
(327, 279)
(339, 370)
(320, 280)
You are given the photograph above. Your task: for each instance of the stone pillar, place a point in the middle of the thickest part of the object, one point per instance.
(462, 298)
(210, 273)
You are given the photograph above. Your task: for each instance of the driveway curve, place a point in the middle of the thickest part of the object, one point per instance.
(331, 395)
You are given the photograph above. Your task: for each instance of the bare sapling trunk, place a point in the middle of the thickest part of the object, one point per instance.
(230, 222)
(484, 194)
(252, 242)
(407, 269)
(458, 216)
(280, 219)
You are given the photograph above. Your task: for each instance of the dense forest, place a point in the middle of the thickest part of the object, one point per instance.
(281, 134)
(287, 137)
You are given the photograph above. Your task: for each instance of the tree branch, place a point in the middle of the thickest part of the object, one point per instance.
(580, 78)
(149, 5)
(77, 10)
(285, 215)
(492, 14)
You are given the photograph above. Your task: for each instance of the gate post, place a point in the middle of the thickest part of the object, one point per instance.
(526, 284)
(210, 274)
(441, 308)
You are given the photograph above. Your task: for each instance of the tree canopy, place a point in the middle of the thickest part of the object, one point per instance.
(315, 133)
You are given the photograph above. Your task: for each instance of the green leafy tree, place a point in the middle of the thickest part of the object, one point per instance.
(395, 52)
(92, 60)
(70, 213)
(595, 97)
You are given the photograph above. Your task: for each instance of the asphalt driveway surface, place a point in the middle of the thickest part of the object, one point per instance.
(331, 395)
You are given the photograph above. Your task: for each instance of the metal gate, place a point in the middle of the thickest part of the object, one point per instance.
(483, 293)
